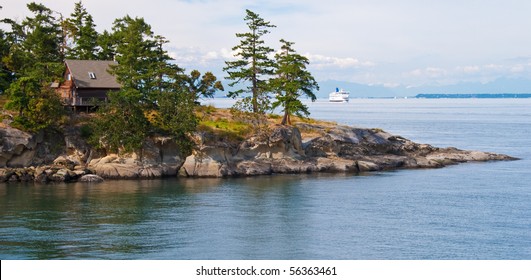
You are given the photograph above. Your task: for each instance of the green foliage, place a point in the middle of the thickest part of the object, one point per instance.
(138, 57)
(143, 64)
(293, 80)
(20, 93)
(32, 54)
(34, 45)
(107, 46)
(86, 131)
(82, 33)
(121, 125)
(204, 86)
(43, 35)
(253, 65)
(6, 76)
(45, 111)
(39, 107)
(177, 117)
(31, 60)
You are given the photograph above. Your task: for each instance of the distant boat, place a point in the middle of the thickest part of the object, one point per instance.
(338, 96)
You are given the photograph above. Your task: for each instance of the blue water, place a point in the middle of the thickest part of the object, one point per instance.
(468, 211)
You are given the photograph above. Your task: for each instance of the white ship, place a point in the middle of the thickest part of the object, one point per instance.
(338, 96)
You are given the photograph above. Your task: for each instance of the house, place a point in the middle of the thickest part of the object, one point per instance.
(86, 83)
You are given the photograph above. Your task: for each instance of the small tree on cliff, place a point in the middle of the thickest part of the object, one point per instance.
(292, 82)
(253, 64)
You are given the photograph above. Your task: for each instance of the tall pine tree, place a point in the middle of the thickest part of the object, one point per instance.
(292, 82)
(6, 76)
(35, 45)
(106, 46)
(35, 60)
(82, 34)
(137, 55)
(253, 65)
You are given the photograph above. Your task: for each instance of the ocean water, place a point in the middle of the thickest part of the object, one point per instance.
(467, 211)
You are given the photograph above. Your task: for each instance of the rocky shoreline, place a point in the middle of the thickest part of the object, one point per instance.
(303, 148)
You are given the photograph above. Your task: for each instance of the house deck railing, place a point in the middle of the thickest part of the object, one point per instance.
(83, 101)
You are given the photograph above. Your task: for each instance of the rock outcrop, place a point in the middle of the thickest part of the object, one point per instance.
(41, 174)
(22, 149)
(325, 148)
(332, 149)
(160, 157)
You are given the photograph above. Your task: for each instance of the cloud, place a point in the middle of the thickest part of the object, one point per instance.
(321, 61)
(469, 69)
(429, 72)
(518, 68)
(470, 73)
(378, 42)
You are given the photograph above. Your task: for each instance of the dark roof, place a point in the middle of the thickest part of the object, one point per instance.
(80, 69)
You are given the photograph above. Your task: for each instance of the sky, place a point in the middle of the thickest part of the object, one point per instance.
(407, 43)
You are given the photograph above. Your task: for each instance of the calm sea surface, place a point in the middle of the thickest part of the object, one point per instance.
(468, 211)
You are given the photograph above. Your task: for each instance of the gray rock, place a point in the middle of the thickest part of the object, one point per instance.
(159, 157)
(5, 174)
(61, 175)
(279, 150)
(16, 147)
(91, 178)
(65, 162)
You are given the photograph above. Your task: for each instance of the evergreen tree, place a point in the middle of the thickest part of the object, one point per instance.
(106, 46)
(35, 45)
(34, 60)
(176, 116)
(20, 93)
(6, 75)
(151, 86)
(14, 57)
(253, 64)
(38, 106)
(166, 76)
(43, 36)
(138, 58)
(205, 85)
(121, 125)
(82, 33)
(293, 81)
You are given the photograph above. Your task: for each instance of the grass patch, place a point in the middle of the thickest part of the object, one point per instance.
(275, 116)
(221, 123)
(225, 128)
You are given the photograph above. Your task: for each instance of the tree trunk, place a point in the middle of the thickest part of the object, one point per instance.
(254, 100)
(285, 118)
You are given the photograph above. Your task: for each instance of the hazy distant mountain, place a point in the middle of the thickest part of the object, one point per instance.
(502, 85)
(357, 90)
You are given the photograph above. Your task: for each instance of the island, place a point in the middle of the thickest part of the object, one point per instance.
(223, 147)
(472, 95)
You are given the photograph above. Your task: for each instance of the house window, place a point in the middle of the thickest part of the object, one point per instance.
(68, 77)
(92, 75)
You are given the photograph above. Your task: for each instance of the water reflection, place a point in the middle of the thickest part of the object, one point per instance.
(132, 219)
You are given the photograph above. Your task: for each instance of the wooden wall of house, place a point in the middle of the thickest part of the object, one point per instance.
(92, 92)
(65, 89)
